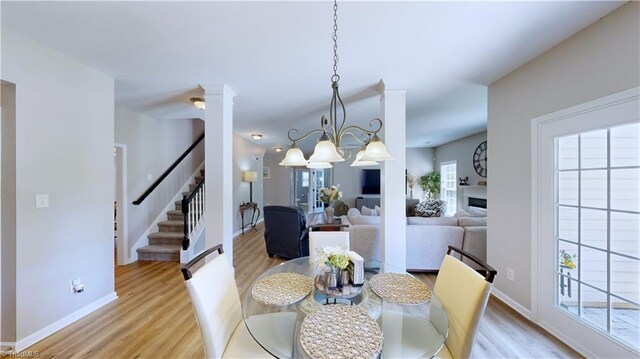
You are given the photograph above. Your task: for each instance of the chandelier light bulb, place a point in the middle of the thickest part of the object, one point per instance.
(294, 157)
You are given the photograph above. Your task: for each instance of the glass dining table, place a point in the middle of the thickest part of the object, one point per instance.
(409, 331)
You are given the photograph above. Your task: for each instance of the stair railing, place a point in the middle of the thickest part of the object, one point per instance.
(168, 171)
(193, 211)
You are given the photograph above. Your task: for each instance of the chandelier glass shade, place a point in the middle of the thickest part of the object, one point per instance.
(329, 147)
(359, 162)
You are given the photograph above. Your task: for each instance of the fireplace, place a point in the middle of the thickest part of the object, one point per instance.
(475, 196)
(477, 202)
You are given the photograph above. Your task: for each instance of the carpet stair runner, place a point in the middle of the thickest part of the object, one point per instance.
(165, 245)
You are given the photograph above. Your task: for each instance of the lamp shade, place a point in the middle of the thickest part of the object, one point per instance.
(249, 176)
(376, 151)
(325, 151)
(294, 157)
(319, 165)
(359, 162)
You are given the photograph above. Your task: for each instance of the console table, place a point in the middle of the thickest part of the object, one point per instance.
(255, 214)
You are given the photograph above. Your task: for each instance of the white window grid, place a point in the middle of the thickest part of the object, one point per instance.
(580, 245)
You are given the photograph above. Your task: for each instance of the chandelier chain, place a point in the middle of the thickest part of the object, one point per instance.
(335, 77)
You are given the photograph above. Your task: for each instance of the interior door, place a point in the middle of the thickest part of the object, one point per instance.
(587, 225)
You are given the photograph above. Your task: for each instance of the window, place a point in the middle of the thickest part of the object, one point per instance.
(448, 186)
(597, 229)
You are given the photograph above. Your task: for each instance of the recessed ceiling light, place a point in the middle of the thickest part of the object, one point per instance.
(278, 148)
(198, 102)
(256, 136)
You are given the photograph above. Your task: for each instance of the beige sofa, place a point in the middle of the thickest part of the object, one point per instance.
(427, 238)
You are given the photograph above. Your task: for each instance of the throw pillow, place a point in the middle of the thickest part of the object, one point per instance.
(366, 211)
(477, 211)
(378, 210)
(461, 213)
(431, 208)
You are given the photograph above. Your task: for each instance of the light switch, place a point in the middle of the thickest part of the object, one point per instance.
(42, 200)
(149, 177)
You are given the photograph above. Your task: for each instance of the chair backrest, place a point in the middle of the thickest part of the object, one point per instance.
(215, 299)
(284, 228)
(321, 239)
(464, 294)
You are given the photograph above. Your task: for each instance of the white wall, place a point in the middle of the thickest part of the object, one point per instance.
(598, 61)
(152, 146)
(420, 161)
(64, 148)
(462, 151)
(277, 188)
(8, 222)
(247, 156)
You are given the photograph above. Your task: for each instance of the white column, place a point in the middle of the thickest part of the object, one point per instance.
(218, 161)
(394, 221)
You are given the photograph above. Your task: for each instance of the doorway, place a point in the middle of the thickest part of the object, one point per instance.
(586, 239)
(121, 243)
(306, 185)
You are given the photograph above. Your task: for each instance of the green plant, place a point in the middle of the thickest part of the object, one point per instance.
(566, 259)
(430, 183)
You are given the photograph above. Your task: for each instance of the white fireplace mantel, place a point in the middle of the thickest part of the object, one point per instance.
(474, 192)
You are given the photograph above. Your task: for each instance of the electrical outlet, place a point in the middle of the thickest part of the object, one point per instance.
(76, 286)
(42, 200)
(510, 275)
(149, 177)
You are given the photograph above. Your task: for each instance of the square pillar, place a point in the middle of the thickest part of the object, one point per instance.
(394, 220)
(218, 164)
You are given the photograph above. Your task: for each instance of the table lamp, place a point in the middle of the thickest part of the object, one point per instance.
(250, 176)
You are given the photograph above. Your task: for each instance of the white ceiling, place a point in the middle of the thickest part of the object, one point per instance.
(277, 55)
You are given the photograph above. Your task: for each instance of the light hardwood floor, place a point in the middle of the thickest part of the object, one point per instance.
(153, 318)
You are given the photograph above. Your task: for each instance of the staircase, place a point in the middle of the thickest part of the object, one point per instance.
(165, 245)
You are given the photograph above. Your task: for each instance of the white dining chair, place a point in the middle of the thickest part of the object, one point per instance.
(218, 311)
(320, 239)
(464, 294)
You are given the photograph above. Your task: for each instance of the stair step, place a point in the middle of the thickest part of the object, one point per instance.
(165, 238)
(171, 226)
(198, 179)
(175, 215)
(178, 205)
(192, 187)
(163, 253)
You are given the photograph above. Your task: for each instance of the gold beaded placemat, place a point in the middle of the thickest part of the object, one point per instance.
(340, 331)
(282, 288)
(400, 288)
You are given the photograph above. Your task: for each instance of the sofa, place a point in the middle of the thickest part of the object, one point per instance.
(427, 238)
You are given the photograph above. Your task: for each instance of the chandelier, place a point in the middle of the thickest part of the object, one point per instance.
(329, 147)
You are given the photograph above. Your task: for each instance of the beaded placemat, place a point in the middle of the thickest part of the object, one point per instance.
(400, 288)
(340, 331)
(282, 288)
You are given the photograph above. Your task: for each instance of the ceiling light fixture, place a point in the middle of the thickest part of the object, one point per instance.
(328, 148)
(256, 136)
(198, 102)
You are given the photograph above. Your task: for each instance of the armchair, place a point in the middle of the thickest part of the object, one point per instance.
(285, 232)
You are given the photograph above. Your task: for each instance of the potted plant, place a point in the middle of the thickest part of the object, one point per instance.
(332, 260)
(327, 196)
(430, 184)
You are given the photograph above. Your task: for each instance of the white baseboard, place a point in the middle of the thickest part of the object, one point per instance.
(69, 319)
(568, 341)
(143, 240)
(246, 229)
(511, 303)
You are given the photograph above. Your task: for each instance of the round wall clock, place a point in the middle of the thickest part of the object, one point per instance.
(480, 159)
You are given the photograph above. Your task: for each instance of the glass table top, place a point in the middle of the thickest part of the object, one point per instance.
(409, 331)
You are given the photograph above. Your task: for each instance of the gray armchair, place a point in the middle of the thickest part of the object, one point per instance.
(285, 232)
